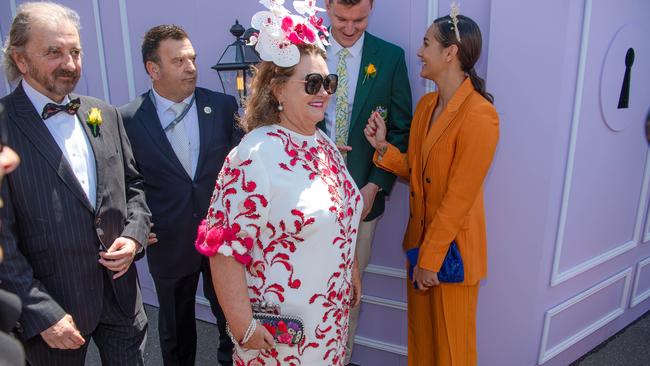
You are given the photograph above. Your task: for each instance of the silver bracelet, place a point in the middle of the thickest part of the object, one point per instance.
(250, 331)
(247, 335)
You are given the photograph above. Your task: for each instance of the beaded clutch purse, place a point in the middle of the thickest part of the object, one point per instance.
(285, 329)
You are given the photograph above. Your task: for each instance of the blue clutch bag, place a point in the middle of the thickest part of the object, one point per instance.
(452, 270)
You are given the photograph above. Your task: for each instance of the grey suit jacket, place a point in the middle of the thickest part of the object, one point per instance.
(51, 233)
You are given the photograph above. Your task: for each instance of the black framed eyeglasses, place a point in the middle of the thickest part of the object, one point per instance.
(313, 83)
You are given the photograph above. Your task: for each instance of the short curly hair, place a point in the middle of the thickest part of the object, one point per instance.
(261, 105)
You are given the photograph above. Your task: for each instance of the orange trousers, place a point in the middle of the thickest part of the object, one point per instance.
(442, 325)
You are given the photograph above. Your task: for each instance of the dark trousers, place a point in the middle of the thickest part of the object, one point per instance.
(176, 318)
(119, 338)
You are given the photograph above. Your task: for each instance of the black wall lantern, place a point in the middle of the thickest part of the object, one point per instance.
(234, 66)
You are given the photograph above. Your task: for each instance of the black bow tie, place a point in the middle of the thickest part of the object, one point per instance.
(51, 109)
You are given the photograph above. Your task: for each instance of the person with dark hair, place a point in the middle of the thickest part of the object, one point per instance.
(74, 216)
(283, 219)
(373, 76)
(454, 136)
(180, 135)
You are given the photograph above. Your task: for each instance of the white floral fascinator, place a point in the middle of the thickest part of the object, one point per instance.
(280, 32)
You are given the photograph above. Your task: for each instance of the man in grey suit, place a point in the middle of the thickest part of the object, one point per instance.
(74, 214)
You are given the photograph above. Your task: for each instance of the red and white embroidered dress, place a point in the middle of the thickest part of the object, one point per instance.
(285, 206)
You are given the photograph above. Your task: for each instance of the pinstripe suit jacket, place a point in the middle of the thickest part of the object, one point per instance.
(50, 232)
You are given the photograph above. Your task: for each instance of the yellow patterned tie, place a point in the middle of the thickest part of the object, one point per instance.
(342, 122)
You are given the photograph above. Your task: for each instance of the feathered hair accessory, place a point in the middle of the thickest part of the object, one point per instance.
(455, 12)
(280, 32)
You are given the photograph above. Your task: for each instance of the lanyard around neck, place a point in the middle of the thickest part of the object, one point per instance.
(180, 116)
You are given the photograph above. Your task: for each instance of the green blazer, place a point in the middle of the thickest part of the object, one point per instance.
(389, 88)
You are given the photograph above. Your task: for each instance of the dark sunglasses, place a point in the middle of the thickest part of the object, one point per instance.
(313, 83)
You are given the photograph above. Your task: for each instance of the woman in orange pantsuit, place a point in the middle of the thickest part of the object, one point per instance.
(453, 138)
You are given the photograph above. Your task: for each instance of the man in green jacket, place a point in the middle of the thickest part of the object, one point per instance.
(372, 76)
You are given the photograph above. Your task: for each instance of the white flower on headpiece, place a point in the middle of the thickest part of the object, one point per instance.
(271, 43)
(276, 7)
(281, 33)
(307, 7)
(280, 52)
(267, 22)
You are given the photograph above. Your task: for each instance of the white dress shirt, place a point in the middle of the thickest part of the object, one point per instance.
(69, 134)
(353, 63)
(190, 121)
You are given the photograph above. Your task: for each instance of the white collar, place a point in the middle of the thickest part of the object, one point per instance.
(163, 104)
(355, 50)
(39, 100)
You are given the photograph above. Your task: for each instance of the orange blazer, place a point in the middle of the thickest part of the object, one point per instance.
(446, 166)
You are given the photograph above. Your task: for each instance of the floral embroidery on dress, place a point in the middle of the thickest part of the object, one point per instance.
(324, 162)
(279, 197)
(211, 240)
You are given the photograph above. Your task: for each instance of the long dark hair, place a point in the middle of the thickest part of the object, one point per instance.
(469, 47)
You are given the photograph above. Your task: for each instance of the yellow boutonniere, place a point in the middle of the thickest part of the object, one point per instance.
(371, 71)
(94, 120)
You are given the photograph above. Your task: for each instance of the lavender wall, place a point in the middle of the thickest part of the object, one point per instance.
(566, 198)
(568, 194)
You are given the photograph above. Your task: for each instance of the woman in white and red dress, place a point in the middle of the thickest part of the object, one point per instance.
(283, 220)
